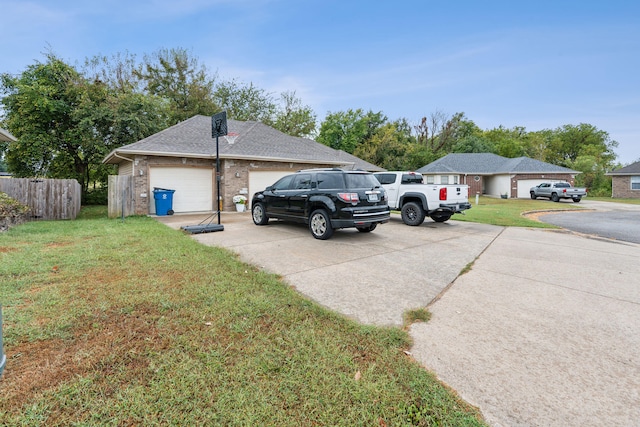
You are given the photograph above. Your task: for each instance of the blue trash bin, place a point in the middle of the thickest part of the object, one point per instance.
(164, 201)
(3, 358)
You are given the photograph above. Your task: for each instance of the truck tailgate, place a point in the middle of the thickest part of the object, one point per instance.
(457, 194)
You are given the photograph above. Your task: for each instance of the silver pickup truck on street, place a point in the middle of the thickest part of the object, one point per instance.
(557, 190)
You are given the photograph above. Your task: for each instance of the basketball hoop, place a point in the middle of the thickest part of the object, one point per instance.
(231, 137)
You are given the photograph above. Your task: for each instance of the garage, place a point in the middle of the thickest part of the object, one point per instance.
(259, 180)
(193, 185)
(524, 185)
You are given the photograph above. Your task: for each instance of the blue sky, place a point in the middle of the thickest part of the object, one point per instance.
(537, 64)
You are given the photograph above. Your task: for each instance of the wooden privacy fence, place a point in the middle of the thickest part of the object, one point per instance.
(121, 201)
(46, 198)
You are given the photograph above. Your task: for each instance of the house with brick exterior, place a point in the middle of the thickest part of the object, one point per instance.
(183, 158)
(625, 182)
(493, 175)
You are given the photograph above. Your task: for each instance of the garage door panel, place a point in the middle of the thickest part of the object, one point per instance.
(193, 187)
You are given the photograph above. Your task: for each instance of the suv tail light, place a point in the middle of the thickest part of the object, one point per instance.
(349, 197)
(443, 193)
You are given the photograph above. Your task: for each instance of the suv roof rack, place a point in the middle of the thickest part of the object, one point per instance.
(322, 169)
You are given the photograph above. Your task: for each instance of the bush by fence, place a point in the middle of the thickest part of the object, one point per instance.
(46, 198)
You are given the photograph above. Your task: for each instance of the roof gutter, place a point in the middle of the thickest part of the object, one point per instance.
(133, 163)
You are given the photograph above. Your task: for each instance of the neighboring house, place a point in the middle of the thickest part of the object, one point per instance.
(625, 182)
(494, 175)
(183, 158)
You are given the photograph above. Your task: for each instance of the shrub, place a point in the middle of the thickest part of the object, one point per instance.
(12, 212)
(95, 196)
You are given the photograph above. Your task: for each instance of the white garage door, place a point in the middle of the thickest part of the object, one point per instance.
(259, 180)
(194, 187)
(524, 185)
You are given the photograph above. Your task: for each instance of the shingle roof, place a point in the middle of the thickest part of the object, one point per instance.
(632, 169)
(257, 141)
(489, 164)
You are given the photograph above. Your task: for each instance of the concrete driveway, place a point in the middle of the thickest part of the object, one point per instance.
(371, 277)
(543, 330)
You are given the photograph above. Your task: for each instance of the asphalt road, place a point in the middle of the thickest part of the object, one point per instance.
(616, 221)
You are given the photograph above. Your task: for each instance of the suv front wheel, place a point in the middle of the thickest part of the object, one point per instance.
(259, 214)
(320, 225)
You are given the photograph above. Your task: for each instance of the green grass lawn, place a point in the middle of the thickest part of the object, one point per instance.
(609, 199)
(133, 323)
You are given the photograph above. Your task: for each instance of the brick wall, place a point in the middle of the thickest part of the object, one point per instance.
(475, 187)
(621, 188)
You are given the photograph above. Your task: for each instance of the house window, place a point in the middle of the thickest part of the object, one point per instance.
(444, 179)
(635, 182)
(455, 179)
(430, 179)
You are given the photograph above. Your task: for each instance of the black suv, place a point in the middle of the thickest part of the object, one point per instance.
(325, 199)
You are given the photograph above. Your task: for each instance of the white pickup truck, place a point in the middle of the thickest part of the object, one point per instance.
(415, 200)
(557, 190)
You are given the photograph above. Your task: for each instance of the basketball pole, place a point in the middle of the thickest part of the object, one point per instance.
(218, 177)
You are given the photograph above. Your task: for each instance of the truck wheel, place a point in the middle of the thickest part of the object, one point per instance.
(367, 228)
(259, 215)
(320, 225)
(412, 214)
(554, 197)
(533, 195)
(441, 217)
(576, 199)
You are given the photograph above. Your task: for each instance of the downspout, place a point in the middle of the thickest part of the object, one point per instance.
(130, 160)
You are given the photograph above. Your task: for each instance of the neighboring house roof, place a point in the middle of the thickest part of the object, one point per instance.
(632, 169)
(5, 136)
(489, 164)
(255, 141)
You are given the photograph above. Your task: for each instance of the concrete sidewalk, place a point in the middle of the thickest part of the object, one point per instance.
(543, 330)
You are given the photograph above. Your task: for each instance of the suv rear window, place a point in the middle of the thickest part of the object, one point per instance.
(330, 181)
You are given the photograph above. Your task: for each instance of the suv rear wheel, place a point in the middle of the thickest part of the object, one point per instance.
(320, 225)
(259, 214)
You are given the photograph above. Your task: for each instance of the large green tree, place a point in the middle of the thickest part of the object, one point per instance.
(66, 123)
(39, 109)
(346, 130)
(177, 76)
(293, 117)
(568, 142)
(245, 102)
(389, 146)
